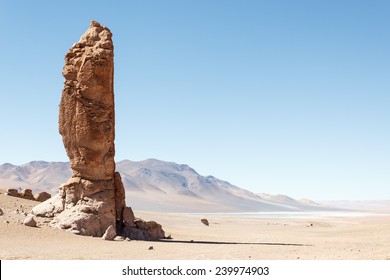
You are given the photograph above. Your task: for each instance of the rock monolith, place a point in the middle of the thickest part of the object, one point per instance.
(86, 117)
(87, 125)
(93, 199)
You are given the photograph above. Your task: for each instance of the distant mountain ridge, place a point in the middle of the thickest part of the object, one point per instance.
(36, 175)
(157, 185)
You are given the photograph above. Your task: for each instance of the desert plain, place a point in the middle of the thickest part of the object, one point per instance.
(331, 238)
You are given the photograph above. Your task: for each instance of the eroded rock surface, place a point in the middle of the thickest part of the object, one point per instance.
(92, 201)
(86, 117)
(27, 194)
(42, 196)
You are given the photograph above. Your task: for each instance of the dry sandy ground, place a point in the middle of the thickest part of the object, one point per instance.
(226, 238)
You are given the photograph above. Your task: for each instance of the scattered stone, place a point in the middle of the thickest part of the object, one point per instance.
(119, 238)
(12, 192)
(128, 239)
(42, 196)
(309, 225)
(205, 222)
(1, 212)
(110, 233)
(30, 222)
(27, 194)
(151, 248)
(120, 202)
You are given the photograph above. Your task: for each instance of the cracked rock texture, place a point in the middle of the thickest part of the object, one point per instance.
(86, 118)
(93, 199)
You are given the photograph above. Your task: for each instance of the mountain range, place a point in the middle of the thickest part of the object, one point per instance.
(157, 185)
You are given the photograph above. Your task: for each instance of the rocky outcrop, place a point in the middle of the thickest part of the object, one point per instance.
(144, 230)
(92, 201)
(42, 196)
(28, 194)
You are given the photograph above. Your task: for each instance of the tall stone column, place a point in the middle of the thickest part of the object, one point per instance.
(86, 117)
(93, 199)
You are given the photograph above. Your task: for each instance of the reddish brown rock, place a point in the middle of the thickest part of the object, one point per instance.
(27, 194)
(205, 222)
(120, 196)
(42, 196)
(87, 203)
(86, 117)
(128, 217)
(93, 199)
(12, 192)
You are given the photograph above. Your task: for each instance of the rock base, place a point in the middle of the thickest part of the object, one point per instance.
(82, 206)
(89, 208)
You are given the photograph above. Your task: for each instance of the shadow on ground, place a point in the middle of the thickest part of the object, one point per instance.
(230, 243)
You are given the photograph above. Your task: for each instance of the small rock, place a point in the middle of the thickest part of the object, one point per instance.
(128, 239)
(205, 222)
(1, 212)
(41, 197)
(109, 234)
(119, 238)
(27, 194)
(151, 248)
(30, 222)
(12, 192)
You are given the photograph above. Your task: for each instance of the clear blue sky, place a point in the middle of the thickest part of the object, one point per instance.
(288, 97)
